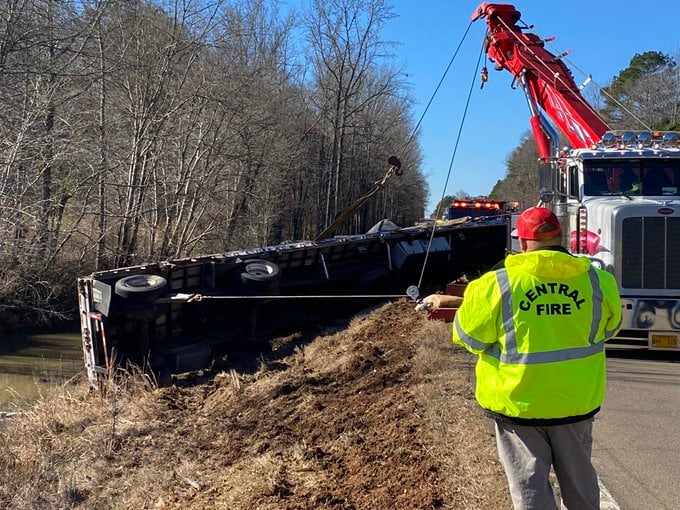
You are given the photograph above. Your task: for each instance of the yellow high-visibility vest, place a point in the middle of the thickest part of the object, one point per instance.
(539, 327)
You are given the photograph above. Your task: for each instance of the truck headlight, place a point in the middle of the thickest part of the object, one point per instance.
(645, 315)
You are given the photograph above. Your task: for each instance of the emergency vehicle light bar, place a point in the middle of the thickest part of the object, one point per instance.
(476, 204)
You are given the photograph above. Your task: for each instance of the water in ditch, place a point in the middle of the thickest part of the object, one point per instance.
(32, 365)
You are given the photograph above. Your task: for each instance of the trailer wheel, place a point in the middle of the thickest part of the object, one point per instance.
(260, 271)
(141, 287)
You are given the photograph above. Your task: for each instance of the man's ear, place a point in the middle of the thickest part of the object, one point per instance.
(523, 244)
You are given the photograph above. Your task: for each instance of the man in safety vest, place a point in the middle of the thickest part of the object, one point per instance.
(539, 326)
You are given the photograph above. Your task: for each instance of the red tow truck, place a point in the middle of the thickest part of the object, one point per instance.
(616, 193)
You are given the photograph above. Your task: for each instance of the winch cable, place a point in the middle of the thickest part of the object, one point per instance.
(436, 90)
(453, 157)
(188, 298)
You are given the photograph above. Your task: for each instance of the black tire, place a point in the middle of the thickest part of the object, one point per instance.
(260, 272)
(141, 287)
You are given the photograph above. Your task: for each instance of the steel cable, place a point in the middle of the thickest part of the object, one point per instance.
(453, 157)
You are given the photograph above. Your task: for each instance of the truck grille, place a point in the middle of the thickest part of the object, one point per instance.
(646, 241)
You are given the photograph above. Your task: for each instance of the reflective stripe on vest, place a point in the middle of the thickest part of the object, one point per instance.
(511, 356)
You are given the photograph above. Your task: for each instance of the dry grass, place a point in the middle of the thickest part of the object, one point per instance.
(462, 439)
(48, 452)
(379, 415)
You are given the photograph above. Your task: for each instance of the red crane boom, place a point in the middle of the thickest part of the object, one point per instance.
(546, 80)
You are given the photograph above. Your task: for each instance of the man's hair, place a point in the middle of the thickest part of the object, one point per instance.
(547, 241)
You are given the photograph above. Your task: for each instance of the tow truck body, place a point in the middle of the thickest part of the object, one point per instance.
(616, 193)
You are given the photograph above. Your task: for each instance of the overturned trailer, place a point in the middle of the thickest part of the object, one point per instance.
(177, 315)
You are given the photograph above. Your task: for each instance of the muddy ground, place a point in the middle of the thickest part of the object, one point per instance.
(374, 414)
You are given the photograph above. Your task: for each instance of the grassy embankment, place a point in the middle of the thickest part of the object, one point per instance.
(378, 414)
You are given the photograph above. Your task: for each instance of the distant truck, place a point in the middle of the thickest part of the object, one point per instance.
(478, 207)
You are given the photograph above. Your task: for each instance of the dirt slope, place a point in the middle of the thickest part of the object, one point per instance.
(376, 415)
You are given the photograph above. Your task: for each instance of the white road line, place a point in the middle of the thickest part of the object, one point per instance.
(607, 502)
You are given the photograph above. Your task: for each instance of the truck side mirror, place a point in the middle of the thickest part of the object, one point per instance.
(546, 196)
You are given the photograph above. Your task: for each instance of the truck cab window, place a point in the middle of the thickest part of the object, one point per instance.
(658, 180)
(573, 181)
(595, 183)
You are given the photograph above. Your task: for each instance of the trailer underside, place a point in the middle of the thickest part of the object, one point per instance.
(174, 316)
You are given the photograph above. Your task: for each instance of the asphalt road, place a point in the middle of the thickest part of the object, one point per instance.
(636, 448)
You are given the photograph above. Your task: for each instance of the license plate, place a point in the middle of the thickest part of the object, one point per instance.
(665, 341)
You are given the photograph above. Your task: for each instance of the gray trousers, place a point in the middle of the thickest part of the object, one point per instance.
(527, 453)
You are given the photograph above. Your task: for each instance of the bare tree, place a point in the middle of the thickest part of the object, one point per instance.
(148, 129)
(346, 47)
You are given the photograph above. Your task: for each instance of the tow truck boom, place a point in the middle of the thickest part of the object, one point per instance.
(547, 82)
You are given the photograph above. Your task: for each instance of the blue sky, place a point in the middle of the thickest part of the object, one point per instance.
(602, 37)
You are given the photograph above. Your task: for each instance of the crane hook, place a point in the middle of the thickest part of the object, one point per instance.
(395, 163)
